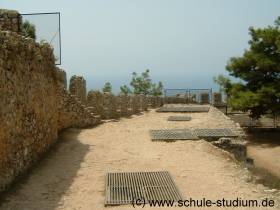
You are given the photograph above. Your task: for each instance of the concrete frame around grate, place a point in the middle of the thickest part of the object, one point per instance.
(179, 118)
(214, 133)
(172, 134)
(184, 109)
(126, 187)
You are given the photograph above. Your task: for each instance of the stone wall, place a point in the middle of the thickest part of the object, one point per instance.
(77, 87)
(217, 99)
(28, 105)
(34, 104)
(110, 106)
(10, 20)
(95, 100)
(204, 98)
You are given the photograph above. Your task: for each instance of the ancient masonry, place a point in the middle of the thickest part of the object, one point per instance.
(77, 87)
(35, 103)
(10, 20)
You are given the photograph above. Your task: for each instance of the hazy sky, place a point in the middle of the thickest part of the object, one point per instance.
(183, 42)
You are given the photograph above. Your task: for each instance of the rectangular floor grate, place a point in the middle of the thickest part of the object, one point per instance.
(184, 109)
(124, 187)
(214, 133)
(179, 118)
(172, 134)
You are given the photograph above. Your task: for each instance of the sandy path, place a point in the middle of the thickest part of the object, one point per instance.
(72, 177)
(266, 157)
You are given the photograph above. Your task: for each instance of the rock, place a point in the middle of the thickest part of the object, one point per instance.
(237, 147)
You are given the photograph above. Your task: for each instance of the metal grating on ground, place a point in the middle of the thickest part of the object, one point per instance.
(123, 188)
(214, 133)
(179, 118)
(172, 134)
(184, 109)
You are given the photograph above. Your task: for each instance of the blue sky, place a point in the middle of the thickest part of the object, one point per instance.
(183, 42)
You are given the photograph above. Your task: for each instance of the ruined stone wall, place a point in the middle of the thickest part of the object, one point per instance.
(124, 105)
(10, 20)
(110, 106)
(77, 87)
(135, 103)
(95, 100)
(204, 98)
(217, 98)
(28, 105)
(72, 112)
(34, 104)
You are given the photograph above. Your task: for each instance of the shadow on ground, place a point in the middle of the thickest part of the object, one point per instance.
(50, 179)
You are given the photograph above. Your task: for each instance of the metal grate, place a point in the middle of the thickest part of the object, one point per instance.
(184, 109)
(214, 133)
(123, 188)
(172, 134)
(179, 118)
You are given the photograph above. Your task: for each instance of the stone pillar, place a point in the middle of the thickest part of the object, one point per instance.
(217, 98)
(95, 100)
(10, 20)
(144, 103)
(61, 78)
(77, 88)
(124, 105)
(204, 98)
(129, 110)
(118, 105)
(135, 104)
(153, 102)
(159, 101)
(110, 106)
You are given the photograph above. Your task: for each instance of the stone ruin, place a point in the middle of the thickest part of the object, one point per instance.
(217, 99)
(77, 87)
(110, 106)
(95, 101)
(10, 20)
(204, 98)
(35, 104)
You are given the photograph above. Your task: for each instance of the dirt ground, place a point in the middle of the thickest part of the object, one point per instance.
(72, 176)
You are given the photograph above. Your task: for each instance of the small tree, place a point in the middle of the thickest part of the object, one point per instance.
(223, 82)
(125, 90)
(157, 89)
(28, 29)
(141, 83)
(107, 87)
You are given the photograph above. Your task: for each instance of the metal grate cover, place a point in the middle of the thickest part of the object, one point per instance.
(179, 118)
(214, 133)
(172, 134)
(122, 188)
(184, 109)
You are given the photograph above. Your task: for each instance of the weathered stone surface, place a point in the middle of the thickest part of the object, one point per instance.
(77, 87)
(10, 20)
(34, 105)
(135, 104)
(144, 103)
(155, 101)
(124, 105)
(61, 78)
(204, 98)
(72, 113)
(28, 105)
(110, 106)
(237, 147)
(95, 100)
(217, 98)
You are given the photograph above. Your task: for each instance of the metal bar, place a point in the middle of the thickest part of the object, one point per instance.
(40, 13)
